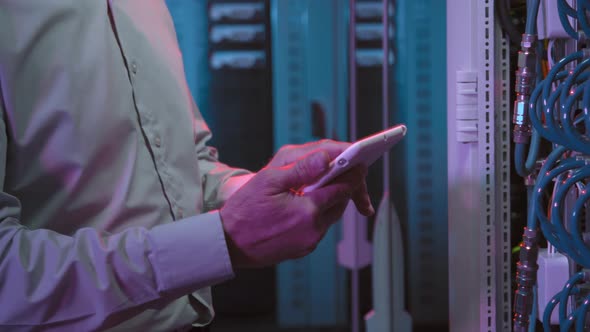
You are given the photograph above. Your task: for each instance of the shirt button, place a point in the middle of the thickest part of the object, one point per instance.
(157, 141)
(134, 67)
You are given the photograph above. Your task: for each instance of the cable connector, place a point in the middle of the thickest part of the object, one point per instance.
(522, 128)
(526, 278)
(525, 80)
(527, 63)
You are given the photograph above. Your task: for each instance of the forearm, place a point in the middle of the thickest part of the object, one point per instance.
(90, 280)
(219, 181)
(234, 183)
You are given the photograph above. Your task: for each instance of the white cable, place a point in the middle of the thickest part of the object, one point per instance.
(550, 59)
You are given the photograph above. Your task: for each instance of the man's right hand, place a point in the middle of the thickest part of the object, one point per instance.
(267, 221)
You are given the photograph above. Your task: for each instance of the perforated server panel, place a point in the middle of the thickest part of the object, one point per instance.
(478, 169)
(420, 78)
(309, 86)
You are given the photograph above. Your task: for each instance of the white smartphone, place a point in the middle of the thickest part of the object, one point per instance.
(365, 151)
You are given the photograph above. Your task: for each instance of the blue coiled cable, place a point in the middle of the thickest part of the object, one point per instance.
(531, 20)
(554, 233)
(575, 140)
(558, 67)
(585, 109)
(581, 250)
(535, 107)
(565, 10)
(565, 321)
(575, 217)
(580, 315)
(548, 165)
(550, 116)
(558, 108)
(549, 311)
(582, 19)
(561, 299)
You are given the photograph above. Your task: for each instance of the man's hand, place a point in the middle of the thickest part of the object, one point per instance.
(268, 220)
(291, 153)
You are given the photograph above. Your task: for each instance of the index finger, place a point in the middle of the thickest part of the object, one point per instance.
(341, 188)
(333, 148)
(293, 153)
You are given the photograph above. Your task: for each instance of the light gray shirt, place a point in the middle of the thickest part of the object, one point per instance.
(109, 194)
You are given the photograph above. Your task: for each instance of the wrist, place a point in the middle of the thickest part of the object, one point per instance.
(232, 248)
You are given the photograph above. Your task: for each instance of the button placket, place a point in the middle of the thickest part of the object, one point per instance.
(152, 131)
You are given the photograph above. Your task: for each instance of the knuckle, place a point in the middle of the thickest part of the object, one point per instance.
(284, 151)
(286, 147)
(302, 169)
(266, 178)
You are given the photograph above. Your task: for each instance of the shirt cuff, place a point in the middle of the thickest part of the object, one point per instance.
(190, 254)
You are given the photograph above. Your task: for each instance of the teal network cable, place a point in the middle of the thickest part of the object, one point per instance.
(565, 11)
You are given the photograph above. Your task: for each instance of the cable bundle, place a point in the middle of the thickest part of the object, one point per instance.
(557, 111)
(579, 14)
(578, 316)
(558, 107)
(567, 167)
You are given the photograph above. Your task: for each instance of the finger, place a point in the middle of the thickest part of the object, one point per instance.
(330, 195)
(333, 148)
(354, 177)
(362, 200)
(360, 196)
(333, 214)
(303, 171)
(338, 190)
(291, 153)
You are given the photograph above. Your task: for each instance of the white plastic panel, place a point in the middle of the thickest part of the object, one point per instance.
(478, 169)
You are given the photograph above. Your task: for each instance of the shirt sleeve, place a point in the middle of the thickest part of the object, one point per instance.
(93, 280)
(215, 175)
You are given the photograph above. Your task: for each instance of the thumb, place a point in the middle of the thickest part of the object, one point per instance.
(306, 170)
